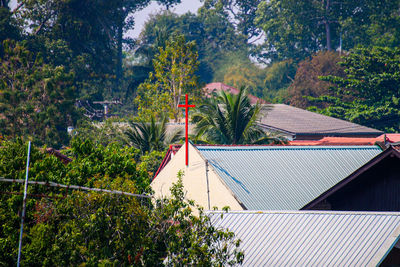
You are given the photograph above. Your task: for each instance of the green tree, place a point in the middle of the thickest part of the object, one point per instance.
(168, 3)
(36, 99)
(139, 64)
(229, 119)
(297, 29)
(241, 14)
(279, 76)
(78, 228)
(212, 31)
(50, 221)
(151, 136)
(103, 133)
(174, 75)
(188, 240)
(8, 25)
(94, 32)
(237, 70)
(369, 93)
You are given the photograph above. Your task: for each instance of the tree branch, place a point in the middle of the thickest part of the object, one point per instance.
(18, 7)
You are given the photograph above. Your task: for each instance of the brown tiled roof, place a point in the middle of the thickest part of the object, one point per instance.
(392, 137)
(340, 141)
(209, 88)
(299, 121)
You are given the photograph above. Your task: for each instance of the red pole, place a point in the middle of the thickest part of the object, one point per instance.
(187, 106)
(187, 130)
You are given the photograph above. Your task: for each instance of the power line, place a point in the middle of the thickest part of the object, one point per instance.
(75, 187)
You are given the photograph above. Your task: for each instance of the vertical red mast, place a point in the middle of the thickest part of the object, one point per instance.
(187, 106)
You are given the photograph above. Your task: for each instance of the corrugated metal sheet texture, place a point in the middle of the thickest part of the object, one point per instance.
(284, 177)
(306, 238)
(301, 121)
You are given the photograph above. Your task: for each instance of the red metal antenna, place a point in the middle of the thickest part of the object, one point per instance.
(187, 106)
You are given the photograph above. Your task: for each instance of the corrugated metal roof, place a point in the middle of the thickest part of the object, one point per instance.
(309, 238)
(284, 177)
(299, 121)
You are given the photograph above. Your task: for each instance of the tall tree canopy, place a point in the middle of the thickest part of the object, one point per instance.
(213, 33)
(95, 31)
(174, 75)
(297, 29)
(369, 94)
(8, 25)
(240, 13)
(36, 99)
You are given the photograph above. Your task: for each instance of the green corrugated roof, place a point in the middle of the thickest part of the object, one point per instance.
(284, 177)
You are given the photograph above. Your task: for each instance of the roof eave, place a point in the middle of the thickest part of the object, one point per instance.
(222, 180)
(351, 177)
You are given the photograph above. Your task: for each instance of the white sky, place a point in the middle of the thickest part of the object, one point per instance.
(142, 16)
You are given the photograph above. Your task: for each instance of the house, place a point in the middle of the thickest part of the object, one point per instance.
(373, 187)
(314, 238)
(299, 124)
(260, 177)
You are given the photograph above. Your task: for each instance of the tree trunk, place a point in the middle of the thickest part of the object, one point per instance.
(118, 71)
(4, 3)
(328, 26)
(328, 36)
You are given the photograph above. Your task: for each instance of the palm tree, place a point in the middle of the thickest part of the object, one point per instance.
(230, 119)
(150, 136)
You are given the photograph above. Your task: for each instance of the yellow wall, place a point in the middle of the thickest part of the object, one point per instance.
(194, 181)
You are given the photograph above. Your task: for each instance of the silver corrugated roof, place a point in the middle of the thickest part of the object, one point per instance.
(309, 238)
(284, 177)
(300, 121)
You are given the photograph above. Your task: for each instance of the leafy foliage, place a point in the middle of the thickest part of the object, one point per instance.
(213, 33)
(297, 29)
(151, 136)
(108, 167)
(370, 92)
(229, 119)
(8, 25)
(93, 228)
(174, 75)
(189, 240)
(36, 99)
(241, 15)
(150, 162)
(104, 133)
(307, 82)
(238, 70)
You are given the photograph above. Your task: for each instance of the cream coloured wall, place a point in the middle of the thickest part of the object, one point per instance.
(194, 181)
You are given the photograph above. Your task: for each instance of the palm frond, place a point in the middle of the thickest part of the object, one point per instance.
(230, 119)
(152, 135)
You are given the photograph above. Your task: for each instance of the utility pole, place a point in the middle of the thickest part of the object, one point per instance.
(105, 105)
(24, 205)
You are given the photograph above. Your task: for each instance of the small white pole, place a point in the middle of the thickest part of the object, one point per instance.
(24, 204)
